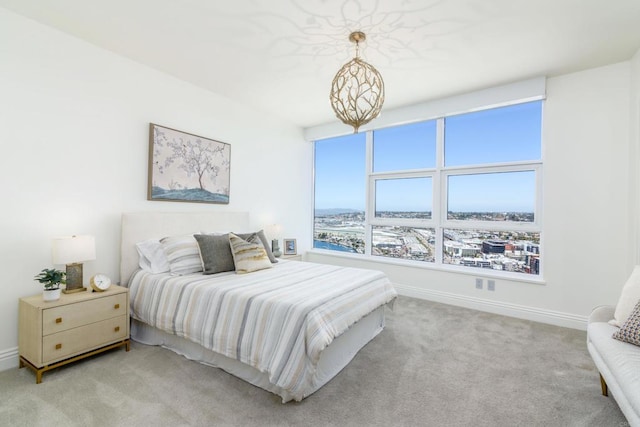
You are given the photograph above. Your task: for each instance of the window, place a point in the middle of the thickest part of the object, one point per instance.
(416, 244)
(391, 200)
(507, 134)
(461, 191)
(405, 147)
(517, 252)
(340, 194)
(496, 196)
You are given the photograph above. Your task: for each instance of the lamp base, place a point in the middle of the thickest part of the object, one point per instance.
(275, 248)
(74, 279)
(73, 291)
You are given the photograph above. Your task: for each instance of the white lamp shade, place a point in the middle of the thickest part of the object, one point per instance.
(274, 230)
(74, 249)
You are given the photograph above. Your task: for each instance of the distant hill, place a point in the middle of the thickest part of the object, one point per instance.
(189, 195)
(336, 211)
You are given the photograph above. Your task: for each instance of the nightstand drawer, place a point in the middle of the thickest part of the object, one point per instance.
(64, 317)
(62, 344)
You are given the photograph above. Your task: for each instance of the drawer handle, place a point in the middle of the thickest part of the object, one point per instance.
(117, 306)
(117, 328)
(59, 320)
(58, 346)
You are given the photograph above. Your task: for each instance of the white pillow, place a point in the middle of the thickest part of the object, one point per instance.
(152, 257)
(182, 253)
(628, 298)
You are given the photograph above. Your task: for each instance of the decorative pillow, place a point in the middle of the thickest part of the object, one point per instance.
(630, 330)
(182, 253)
(628, 298)
(215, 253)
(152, 257)
(248, 256)
(265, 243)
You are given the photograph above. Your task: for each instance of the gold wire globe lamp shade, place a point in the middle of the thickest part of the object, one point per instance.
(357, 90)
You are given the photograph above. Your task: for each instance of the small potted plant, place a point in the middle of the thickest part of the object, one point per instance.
(51, 279)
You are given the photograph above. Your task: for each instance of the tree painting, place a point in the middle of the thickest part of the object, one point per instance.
(188, 168)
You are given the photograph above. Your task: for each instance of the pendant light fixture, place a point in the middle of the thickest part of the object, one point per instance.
(357, 90)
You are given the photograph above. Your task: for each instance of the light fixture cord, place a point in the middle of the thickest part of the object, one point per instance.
(357, 49)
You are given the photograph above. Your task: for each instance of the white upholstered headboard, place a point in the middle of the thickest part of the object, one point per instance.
(139, 226)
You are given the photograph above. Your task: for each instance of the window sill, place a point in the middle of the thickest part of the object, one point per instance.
(469, 271)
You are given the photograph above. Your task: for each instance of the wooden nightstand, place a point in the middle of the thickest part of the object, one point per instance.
(52, 334)
(297, 257)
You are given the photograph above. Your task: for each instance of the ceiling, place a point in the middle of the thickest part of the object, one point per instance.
(281, 55)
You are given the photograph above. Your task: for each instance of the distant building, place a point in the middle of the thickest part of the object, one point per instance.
(385, 245)
(533, 264)
(534, 249)
(458, 249)
(483, 263)
(468, 262)
(476, 262)
(493, 246)
(417, 250)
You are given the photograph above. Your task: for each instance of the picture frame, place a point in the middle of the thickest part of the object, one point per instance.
(184, 167)
(290, 246)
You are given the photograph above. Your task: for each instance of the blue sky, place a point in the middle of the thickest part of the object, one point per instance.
(340, 172)
(491, 136)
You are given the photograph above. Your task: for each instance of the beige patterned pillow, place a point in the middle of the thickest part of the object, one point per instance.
(248, 256)
(630, 330)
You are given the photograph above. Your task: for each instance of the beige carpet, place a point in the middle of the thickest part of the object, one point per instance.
(434, 365)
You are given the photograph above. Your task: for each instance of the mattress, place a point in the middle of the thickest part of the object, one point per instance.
(279, 323)
(332, 360)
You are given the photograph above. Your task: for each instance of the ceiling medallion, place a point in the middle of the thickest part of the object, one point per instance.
(357, 90)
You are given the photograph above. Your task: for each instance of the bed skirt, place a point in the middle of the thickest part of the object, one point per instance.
(332, 359)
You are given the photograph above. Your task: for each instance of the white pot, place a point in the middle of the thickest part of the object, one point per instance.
(51, 294)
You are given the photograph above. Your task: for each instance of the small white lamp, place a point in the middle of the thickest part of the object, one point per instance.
(73, 251)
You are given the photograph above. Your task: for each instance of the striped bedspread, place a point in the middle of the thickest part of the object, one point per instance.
(277, 320)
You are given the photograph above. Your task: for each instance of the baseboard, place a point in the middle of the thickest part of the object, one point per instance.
(9, 359)
(506, 309)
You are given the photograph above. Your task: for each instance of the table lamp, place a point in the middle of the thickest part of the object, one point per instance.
(73, 251)
(274, 230)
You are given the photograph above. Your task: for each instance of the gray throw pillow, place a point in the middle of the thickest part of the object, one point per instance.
(215, 253)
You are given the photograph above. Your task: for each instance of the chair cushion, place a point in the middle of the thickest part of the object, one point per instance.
(622, 359)
(629, 297)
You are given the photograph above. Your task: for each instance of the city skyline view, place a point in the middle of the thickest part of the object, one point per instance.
(511, 251)
(488, 174)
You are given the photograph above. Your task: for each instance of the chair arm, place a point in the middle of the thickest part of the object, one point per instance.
(602, 313)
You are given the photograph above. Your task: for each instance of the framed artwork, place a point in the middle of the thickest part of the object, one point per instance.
(187, 168)
(290, 247)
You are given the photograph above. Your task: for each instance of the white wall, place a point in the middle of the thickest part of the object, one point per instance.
(634, 157)
(74, 152)
(587, 242)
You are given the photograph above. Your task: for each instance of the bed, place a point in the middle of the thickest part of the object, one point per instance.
(287, 329)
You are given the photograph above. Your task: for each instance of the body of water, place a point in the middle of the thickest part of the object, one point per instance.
(331, 246)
